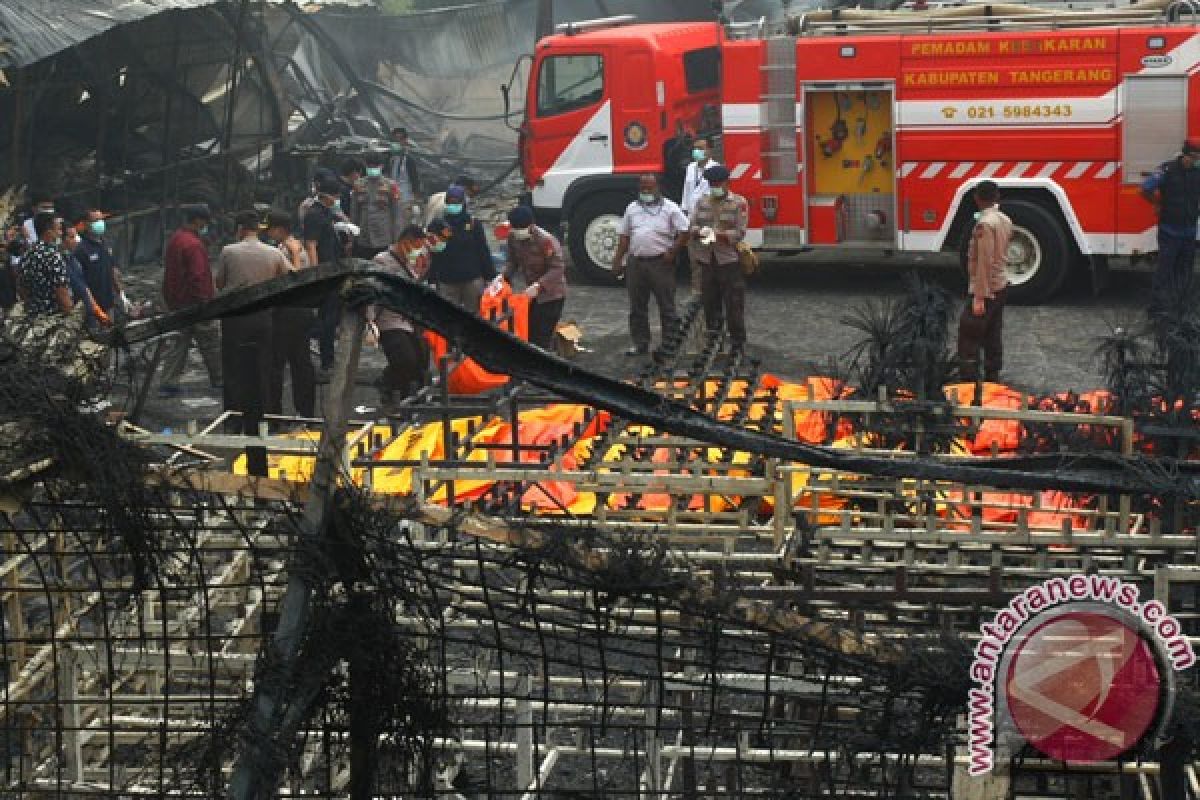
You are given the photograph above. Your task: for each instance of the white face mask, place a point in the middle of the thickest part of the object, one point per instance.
(520, 234)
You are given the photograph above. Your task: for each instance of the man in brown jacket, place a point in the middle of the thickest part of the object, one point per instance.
(982, 321)
(719, 220)
(538, 256)
(246, 339)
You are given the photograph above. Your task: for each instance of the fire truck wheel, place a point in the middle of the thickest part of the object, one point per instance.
(593, 235)
(1039, 255)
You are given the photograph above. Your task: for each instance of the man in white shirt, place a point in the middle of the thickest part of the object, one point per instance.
(696, 186)
(652, 232)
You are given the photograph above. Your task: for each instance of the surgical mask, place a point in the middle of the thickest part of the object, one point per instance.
(649, 198)
(718, 192)
(337, 204)
(374, 172)
(413, 256)
(438, 247)
(203, 231)
(977, 215)
(699, 154)
(454, 208)
(520, 233)
(96, 227)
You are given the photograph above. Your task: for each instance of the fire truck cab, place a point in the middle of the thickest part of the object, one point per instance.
(606, 102)
(867, 131)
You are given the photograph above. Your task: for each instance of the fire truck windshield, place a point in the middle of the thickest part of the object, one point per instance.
(567, 83)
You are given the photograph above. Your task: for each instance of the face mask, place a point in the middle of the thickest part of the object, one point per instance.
(719, 192)
(699, 154)
(97, 227)
(439, 247)
(374, 172)
(977, 215)
(520, 234)
(413, 256)
(203, 231)
(337, 204)
(454, 208)
(648, 198)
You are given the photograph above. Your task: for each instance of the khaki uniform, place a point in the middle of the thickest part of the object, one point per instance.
(722, 282)
(247, 340)
(377, 208)
(987, 279)
(539, 259)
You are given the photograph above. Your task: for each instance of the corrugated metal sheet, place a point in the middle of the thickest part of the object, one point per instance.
(34, 29)
(31, 30)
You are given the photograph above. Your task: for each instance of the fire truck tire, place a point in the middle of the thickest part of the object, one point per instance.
(1039, 254)
(592, 235)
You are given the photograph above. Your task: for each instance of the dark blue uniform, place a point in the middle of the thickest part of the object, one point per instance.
(1179, 205)
(98, 263)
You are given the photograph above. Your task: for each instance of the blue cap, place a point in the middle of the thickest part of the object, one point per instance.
(521, 217)
(716, 174)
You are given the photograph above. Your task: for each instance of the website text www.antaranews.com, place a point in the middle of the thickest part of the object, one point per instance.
(1036, 599)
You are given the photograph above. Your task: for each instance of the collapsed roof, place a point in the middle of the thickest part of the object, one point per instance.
(32, 30)
(35, 29)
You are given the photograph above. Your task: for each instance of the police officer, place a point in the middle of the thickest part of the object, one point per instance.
(982, 322)
(719, 220)
(377, 208)
(1174, 190)
(538, 256)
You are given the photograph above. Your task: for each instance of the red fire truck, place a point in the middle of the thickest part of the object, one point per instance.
(869, 130)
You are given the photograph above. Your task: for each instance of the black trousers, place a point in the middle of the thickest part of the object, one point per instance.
(289, 350)
(8, 285)
(646, 278)
(543, 319)
(246, 365)
(1173, 275)
(329, 315)
(986, 332)
(724, 293)
(407, 358)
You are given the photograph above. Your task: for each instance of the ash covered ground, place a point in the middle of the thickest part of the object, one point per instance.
(794, 312)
